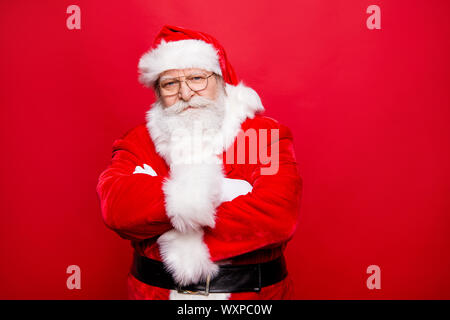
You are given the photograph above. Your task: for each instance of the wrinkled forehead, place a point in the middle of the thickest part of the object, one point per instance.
(173, 73)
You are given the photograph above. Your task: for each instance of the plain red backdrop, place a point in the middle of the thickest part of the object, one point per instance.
(369, 110)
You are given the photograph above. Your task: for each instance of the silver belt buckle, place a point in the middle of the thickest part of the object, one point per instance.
(203, 293)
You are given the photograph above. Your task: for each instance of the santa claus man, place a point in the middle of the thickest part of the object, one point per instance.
(207, 189)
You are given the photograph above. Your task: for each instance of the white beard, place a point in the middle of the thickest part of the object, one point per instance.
(188, 135)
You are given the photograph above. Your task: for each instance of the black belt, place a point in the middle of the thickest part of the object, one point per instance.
(231, 278)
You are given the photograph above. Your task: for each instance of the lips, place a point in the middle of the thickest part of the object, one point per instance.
(191, 108)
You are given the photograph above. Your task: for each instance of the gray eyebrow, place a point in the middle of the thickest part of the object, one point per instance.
(188, 75)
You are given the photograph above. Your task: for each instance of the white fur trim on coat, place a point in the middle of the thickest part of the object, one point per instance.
(242, 102)
(177, 55)
(192, 194)
(186, 256)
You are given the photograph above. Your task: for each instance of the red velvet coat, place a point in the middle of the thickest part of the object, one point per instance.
(251, 228)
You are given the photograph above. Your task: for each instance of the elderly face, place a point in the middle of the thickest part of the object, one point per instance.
(185, 93)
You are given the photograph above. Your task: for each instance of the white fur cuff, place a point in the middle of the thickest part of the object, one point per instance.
(186, 256)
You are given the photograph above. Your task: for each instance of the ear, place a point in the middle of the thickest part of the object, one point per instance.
(156, 89)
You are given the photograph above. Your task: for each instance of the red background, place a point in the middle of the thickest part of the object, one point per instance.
(369, 110)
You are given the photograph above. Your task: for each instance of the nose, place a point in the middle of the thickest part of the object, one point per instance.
(185, 92)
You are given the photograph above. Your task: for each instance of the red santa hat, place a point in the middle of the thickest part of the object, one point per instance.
(179, 48)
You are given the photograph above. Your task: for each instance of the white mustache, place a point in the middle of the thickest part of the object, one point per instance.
(195, 102)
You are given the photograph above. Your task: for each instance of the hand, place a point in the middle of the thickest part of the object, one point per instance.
(146, 170)
(233, 188)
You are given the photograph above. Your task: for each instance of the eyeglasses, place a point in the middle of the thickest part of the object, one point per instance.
(195, 82)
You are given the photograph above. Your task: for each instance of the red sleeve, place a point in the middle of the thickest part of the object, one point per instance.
(264, 217)
(132, 204)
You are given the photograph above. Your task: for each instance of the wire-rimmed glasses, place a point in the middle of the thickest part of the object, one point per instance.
(195, 82)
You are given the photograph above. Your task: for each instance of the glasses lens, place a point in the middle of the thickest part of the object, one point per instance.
(169, 86)
(197, 82)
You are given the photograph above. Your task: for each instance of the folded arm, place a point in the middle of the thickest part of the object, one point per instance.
(132, 200)
(267, 215)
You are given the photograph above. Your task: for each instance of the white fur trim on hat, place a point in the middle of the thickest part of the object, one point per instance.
(180, 54)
